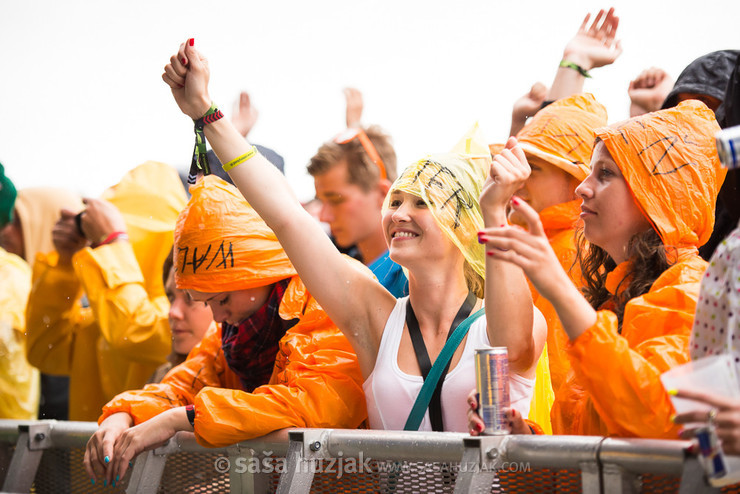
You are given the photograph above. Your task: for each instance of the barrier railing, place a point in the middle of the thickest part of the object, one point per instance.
(46, 456)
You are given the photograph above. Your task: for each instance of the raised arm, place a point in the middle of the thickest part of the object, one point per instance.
(357, 303)
(510, 312)
(590, 48)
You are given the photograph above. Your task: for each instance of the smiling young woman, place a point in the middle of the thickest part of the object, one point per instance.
(431, 217)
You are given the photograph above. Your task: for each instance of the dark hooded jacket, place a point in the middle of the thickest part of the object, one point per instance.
(708, 75)
(711, 74)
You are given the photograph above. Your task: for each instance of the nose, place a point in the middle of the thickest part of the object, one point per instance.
(220, 314)
(401, 213)
(176, 309)
(325, 213)
(584, 189)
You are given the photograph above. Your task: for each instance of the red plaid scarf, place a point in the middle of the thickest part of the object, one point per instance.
(251, 347)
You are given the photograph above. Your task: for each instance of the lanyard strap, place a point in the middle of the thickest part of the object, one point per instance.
(422, 356)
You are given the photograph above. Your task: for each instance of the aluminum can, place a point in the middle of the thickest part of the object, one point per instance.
(492, 381)
(728, 147)
(712, 457)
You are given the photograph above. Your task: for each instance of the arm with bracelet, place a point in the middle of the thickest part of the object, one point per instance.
(270, 194)
(592, 46)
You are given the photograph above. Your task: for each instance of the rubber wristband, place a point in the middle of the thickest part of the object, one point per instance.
(240, 159)
(112, 238)
(190, 412)
(576, 67)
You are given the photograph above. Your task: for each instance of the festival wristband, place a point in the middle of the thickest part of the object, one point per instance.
(240, 159)
(576, 67)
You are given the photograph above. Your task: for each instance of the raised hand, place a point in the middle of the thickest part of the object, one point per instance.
(187, 75)
(509, 170)
(66, 237)
(594, 46)
(648, 91)
(526, 106)
(354, 107)
(100, 219)
(245, 114)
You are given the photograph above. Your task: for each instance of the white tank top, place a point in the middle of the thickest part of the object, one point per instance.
(390, 393)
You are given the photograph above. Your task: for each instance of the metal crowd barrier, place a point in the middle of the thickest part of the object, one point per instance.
(46, 456)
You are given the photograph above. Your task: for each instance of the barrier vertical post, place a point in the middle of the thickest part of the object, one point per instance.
(32, 441)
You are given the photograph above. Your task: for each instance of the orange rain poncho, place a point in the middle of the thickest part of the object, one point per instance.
(562, 134)
(123, 336)
(668, 159)
(316, 381)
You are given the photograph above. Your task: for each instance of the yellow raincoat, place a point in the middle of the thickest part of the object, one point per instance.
(316, 382)
(668, 159)
(19, 382)
(123, 336)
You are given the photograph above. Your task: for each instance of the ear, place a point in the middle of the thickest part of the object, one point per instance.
(384, 185)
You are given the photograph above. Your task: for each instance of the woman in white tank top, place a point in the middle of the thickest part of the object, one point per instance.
(431, 217)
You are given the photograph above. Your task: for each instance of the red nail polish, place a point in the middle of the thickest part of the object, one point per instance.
(184, 61)
(490, 253)
(191, 41)
(515, 201)
(502, 226)
(479, 427)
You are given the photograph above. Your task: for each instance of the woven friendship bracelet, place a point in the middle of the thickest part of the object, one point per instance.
(240, 159)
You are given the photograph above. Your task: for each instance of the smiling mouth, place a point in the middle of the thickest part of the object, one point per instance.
(404, 235)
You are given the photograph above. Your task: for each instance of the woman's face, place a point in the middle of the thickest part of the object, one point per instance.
(233, 307)
(546, 186)
(189, 320)
(609, 212)
(411, 232)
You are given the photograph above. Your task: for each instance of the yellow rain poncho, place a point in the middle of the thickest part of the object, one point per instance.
(670, 163)
(19, 382)
(223, 245)
(562, 134)
(123, 336)
(450, 184)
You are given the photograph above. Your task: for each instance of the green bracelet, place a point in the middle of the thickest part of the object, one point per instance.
(576, 67)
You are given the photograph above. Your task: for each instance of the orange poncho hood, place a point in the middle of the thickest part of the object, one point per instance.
(221, 243)
(670, 163)
(562, 133)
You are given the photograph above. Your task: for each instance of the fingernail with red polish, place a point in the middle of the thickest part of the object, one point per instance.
(490, 253)
(515, 201)
(479, 427)
(191, 41)
(184, 61)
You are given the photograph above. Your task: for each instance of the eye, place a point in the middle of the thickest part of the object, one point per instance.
(534, 168)
(335, 200)
(420, 203)
(224, 300)
(605, 173)
(394, 203)
(170, 297)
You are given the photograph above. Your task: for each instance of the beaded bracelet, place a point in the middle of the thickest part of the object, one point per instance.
(240, 159)
(199, 163)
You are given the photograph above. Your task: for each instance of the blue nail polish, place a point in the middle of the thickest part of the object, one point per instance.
(117, 477)
(105, 483)
(113, 484)
(93, 481)
(107, 459)
(131, 463)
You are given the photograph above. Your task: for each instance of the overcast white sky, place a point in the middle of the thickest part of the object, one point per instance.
(82, 101)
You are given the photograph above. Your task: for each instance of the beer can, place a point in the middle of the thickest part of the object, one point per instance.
(728, 147)
(492, 381)
(713, 459)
